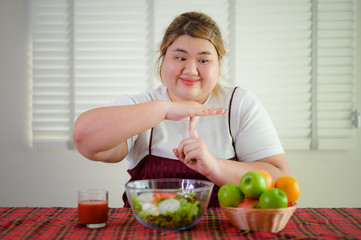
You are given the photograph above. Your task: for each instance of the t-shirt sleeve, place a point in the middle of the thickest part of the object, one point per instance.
(252, 128)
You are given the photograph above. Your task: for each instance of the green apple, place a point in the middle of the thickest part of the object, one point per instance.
(230, 195)
(273, 198)
(253, 184)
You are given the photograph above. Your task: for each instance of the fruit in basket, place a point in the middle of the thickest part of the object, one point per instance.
(273, 198)
(249, 203)
(268, 177)
(253, 184)
(230, 195)
(290, 186)
(260, 192)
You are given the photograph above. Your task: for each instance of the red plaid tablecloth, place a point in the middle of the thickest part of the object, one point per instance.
(61, 223)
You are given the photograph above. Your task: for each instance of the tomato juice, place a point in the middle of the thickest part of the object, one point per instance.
(92, 211)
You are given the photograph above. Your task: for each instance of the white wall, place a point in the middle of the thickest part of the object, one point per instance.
(30, 178)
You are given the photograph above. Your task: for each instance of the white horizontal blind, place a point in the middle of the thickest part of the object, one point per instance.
(111, 51)
(336, 73)
(50, 73)
(85, 53)
(274, 61)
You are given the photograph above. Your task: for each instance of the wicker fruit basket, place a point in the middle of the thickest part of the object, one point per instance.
(269, 220)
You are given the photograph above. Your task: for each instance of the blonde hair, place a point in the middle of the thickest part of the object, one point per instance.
(194, 24)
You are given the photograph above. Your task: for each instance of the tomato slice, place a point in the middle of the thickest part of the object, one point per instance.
(163, 195)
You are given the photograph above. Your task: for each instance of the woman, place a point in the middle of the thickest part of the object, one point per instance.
(189, 127)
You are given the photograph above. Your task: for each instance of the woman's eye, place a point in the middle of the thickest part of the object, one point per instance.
(181, 59)
(203, 61)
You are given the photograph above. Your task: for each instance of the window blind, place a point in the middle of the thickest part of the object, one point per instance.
(111, 51)
(274, 60)
(85, 54)
(336, 73)
(298, 57)
(50, 74)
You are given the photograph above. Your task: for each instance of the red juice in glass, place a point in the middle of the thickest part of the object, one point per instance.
(92, 211)
(93, 208)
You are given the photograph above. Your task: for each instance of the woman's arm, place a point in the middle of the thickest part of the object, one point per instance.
(227, 171)
(194, 152)
(100, 134)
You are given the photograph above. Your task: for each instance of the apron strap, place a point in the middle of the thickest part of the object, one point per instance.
(150, 143)
(229, 118)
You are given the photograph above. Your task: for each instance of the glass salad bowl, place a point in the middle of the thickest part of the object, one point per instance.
(174, 204)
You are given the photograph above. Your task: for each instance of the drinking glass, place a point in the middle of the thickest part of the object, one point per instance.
(93, 207)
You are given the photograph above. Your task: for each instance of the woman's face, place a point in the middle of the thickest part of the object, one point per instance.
(190, 69)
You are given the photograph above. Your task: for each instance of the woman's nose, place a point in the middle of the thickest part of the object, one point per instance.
(190, 68)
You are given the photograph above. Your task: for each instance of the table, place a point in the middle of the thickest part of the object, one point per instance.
(61, 223)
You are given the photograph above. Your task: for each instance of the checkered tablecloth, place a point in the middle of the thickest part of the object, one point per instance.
(61, 223)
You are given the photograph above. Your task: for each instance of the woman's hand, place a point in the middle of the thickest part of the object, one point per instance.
(194, 152)
(185, 109)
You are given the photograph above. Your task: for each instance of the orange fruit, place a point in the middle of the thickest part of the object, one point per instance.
(268, 177)
(290, 186)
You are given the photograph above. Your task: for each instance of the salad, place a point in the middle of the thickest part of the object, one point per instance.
(170, 210)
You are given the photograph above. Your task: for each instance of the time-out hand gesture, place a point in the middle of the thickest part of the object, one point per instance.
(194, 152)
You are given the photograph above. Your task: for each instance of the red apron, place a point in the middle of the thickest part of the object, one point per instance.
(151, 167)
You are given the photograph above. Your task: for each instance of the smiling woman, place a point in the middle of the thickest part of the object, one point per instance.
(150, 129)
(190, 54)
(190, 71)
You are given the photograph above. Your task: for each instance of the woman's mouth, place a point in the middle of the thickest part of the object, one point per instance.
(189, 82)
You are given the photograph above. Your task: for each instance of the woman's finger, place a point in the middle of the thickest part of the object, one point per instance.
(192, 128)
(213, 111)
(175, 151)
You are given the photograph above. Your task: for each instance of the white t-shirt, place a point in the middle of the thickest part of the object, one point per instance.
(252, 129)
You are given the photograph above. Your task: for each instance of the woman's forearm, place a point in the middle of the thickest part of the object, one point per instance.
(228, 171)
(104, 129)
